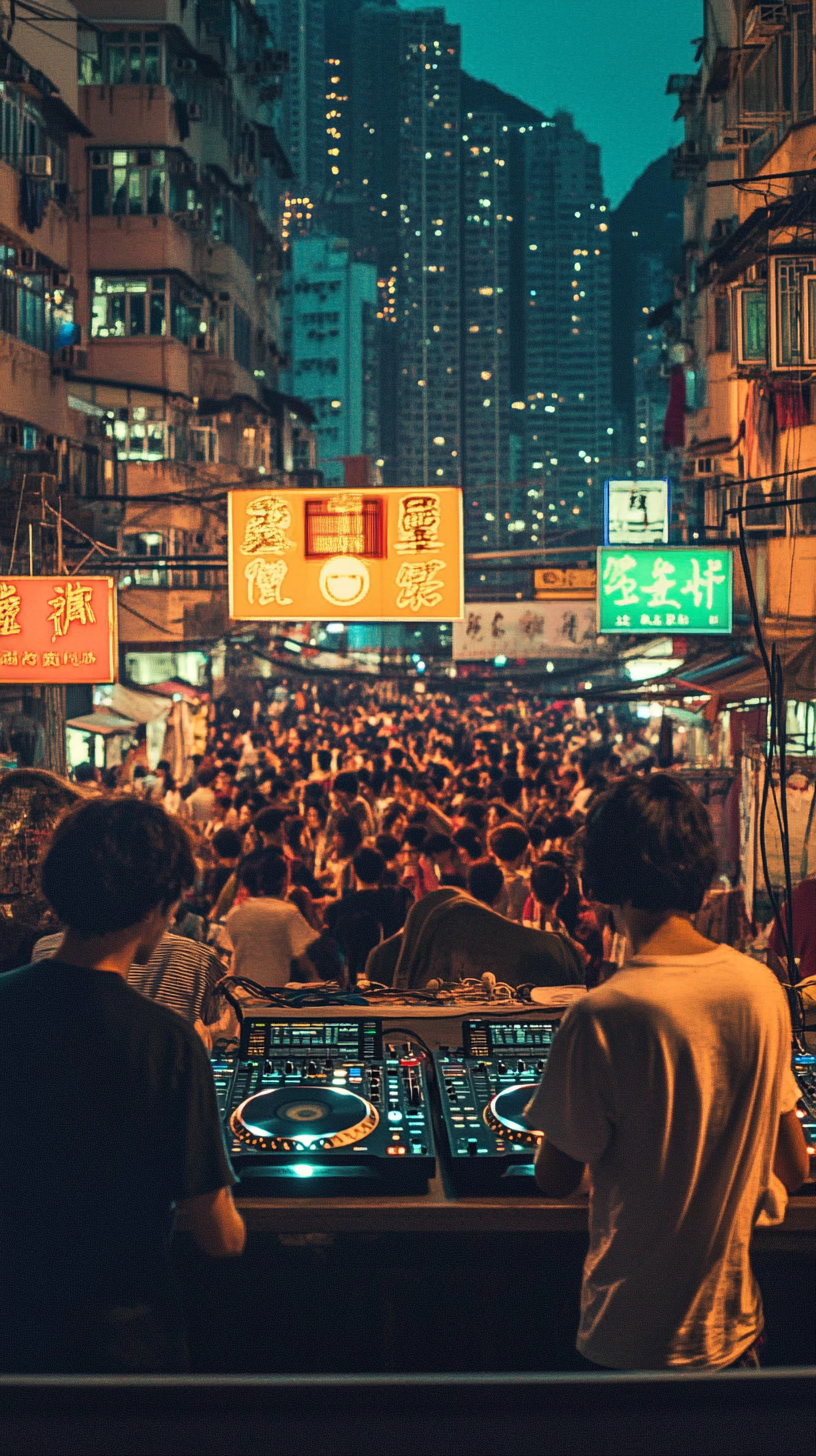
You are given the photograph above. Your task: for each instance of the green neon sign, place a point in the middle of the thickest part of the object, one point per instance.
(665, 589)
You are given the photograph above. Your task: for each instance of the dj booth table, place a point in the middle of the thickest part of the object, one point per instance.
(435, 1281)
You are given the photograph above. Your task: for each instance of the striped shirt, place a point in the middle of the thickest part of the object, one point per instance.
(180, 974)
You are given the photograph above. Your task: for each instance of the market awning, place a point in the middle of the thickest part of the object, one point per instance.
(800, 681)
(107, 724)
(183, 690)
(141, 707)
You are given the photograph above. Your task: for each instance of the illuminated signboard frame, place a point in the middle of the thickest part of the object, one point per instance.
(346, 555)
(60, 629)
(614, 536)
(691, 605)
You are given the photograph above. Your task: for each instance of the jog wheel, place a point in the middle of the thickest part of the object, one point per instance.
(303, 1119)
(504, 1115)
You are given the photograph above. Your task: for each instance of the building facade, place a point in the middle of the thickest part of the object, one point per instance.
(331, 340)
(745, 347)
(567, 426)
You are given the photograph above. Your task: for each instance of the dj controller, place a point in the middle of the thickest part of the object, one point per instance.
(804, 1070)
(484, 1087)
(317, 1107)
(330, 1106)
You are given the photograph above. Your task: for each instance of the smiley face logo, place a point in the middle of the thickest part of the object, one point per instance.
(344, 580)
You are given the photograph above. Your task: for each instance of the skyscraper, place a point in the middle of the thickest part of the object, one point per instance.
(299, 29)
(646, 230)
(331, 339)
(567, 405)
(404, 185)
(493, 127)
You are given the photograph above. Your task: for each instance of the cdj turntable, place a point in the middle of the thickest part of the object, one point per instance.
(316, 1107)
(484, 1088)
(804, 1070)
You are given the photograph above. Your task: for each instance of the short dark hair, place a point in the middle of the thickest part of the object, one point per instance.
(509, 842)
(438, 844)
(112, 861)
(205, 777)
(347, 783)
(649, 843)
(548, 882)
(349, 832)
(265, 873)
(388, 845)
(470, 840)
(415, 836)
(226, 843)
(369, 866)
(485, 881)
(84, 773)
(269, 821)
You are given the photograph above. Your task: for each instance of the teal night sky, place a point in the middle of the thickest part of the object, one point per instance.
(606, 61)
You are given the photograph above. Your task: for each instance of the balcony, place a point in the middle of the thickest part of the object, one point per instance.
(123, 115)
(156, 244)
(51, 238)
(160, 363)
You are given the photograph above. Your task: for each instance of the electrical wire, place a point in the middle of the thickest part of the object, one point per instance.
(776, 744)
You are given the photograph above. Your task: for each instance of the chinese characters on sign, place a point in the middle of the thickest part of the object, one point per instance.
(526, 630)
(386, 555)
(636, 512)
(670, 589)
(59, 629)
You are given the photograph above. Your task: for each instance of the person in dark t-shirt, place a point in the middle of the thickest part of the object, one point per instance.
(108, 1114)
(387, 905)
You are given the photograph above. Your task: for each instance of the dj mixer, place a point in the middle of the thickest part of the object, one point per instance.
(484, 1087)
(317, 1107)
(804, 1070)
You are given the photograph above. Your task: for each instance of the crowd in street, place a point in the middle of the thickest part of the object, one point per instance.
(319, 827)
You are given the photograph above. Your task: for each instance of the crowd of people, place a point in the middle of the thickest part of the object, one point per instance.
(407, 843)
(318, 828)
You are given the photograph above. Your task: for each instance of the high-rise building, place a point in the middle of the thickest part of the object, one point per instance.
(494, 125)
(299, 29)
(646, 230)
(404, 191)
(566, 407)
(331, 338)
(177, 268)
(485, 365)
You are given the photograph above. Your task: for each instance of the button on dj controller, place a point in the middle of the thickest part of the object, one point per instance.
(322, 1107)
(484, 1087)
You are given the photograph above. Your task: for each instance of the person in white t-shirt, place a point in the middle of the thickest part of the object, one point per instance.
(267, 935)
(672, 1082)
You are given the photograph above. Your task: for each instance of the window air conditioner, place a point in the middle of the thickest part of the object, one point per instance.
(38, 166)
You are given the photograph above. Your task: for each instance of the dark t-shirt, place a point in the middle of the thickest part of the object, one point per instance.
(108, 1116)
(388, 906)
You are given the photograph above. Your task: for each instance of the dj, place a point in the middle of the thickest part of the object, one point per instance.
(672, 1081)
(108, 1115)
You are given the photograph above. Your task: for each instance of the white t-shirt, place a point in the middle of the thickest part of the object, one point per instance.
(669, 1081)
(264, 935)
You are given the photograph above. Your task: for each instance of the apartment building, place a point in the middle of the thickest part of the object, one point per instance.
(40, 430)
(177, 266)
(567, 409)
(744, 340)
(331, 341)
